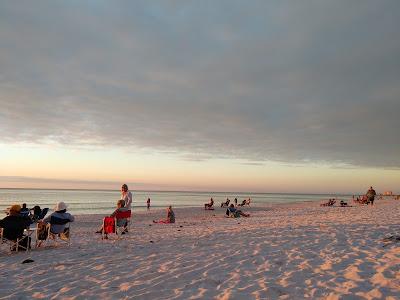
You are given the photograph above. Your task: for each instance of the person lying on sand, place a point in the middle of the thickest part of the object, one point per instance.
(235, 212)
(120, 222)
(170, 217)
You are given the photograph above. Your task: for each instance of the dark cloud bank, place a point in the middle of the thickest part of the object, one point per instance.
(282, 80)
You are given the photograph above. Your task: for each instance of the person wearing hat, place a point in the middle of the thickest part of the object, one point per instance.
(59, 218)
(14, 224)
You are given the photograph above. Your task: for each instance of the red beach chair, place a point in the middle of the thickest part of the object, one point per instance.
(124, 215)
(110, 224)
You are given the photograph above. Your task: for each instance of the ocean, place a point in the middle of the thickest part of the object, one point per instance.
(104, 202)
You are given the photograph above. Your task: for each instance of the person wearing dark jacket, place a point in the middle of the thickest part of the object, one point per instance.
(371, 195)
(14, 224)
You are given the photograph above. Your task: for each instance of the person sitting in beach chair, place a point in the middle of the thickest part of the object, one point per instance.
(116, 224)
(24, 211)
(121, 218)
(330, 202)
(12, 229)
(59, 218)
(248, 202)
(170, 217)
(245, 202)
(209, 206)
(57, 225)
(233, 212)
(38, 213)
(226, 203)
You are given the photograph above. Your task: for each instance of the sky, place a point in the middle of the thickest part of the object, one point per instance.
(261, 96)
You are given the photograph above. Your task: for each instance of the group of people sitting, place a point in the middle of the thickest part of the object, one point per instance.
(368, 198)
(122, 214)
(210, 205)
(332, 202)
(35, 213)
(231, 208)
(19, 219)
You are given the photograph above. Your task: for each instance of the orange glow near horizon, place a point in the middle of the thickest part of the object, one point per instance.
(52, 167)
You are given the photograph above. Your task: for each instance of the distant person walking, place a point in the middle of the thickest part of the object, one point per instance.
(371, 195)
(126, 195)
(148, 203)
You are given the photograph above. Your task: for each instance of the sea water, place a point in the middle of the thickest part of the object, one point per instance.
(104, 202)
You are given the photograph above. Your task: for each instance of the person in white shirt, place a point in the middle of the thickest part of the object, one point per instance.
(126, 195)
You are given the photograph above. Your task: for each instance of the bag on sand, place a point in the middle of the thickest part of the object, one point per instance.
(42, 231)
(65, 235)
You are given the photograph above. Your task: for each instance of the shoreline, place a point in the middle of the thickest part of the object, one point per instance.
(282, 251)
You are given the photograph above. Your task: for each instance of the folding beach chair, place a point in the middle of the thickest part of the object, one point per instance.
(110, 224)
(20, 244)
(44, 235)
(124, 215)
(43, 213)
(38, 213)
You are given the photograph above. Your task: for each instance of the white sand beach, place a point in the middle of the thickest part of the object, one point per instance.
(292, 251)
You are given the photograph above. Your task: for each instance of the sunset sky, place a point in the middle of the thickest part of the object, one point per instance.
(261, 96)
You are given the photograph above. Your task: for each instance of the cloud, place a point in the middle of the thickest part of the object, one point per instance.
(291, 82)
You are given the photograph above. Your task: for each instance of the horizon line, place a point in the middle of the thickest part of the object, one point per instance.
(181, 191)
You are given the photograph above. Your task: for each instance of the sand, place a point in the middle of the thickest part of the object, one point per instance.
(292, 251)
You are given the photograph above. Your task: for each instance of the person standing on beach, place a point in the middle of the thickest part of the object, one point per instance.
(371, 195)
(148, 203)
(126, 195)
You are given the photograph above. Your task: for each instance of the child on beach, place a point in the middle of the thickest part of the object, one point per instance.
(170, 217)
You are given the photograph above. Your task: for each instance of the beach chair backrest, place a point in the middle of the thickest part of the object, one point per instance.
(108, 225)
(123, 214)
(43, 213)
(58, 221)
